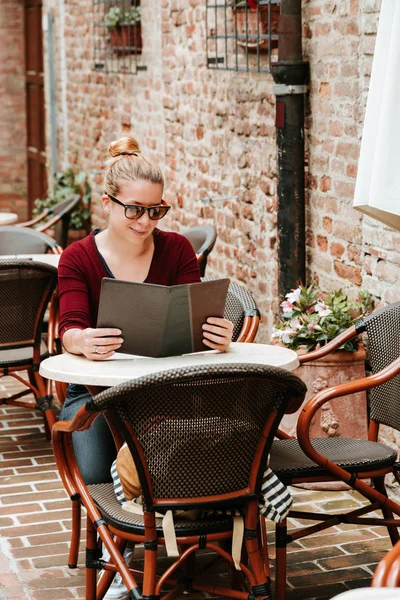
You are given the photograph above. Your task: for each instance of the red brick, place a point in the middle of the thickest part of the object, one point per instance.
(325, 184)
(322, 243)
(337, 249)
(344, 189)
(336, 128)
(327, 224)
(325, 90)
(31, 529)
(352, 274)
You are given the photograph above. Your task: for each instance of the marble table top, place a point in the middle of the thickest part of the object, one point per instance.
(370, 593)
(70, 368)
(8, 218)
(48, 259)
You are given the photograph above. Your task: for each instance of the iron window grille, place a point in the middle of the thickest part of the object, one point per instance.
(242, 35)
(117, 36)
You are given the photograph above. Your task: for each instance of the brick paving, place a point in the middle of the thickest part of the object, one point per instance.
(35, 526)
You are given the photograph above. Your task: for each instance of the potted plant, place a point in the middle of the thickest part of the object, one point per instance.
(125, 29)
(252, 20)
(310, 320)
(65, 184)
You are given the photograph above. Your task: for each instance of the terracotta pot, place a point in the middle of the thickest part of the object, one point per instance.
(344, 417)
(252, 23)
(127, 39)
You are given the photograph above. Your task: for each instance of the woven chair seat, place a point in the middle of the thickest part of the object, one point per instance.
(112, 512)
(21, 356)
(288, 460)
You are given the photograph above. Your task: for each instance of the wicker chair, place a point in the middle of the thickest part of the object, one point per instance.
(241, 309)
(60, 220)
(15, 240)
(202, 239)
(26, 241)
(26, 288)
(352, 461)
(200, 438)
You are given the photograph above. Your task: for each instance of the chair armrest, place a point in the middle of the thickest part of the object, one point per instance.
(330, 347)
(64, 454)
(387, 573)
(63, 449)
(56, 249)
(50, 223)
(250, 327)
(81, 421)
(282, 435)
(32, 222)
(54, 317)
(343, 389)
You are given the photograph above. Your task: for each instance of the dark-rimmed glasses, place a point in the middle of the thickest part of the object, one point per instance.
(135, 211)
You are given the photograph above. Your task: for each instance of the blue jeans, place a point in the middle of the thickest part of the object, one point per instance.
(94, 449)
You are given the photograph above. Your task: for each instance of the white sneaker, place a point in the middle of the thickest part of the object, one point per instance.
(117, 589)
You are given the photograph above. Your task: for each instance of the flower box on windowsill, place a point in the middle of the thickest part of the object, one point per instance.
(251, 23)
(127, 38)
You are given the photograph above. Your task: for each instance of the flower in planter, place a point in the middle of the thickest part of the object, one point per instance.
(116, 16)
(243, 3)
(250, 4)
(64, 185)
(310, 319)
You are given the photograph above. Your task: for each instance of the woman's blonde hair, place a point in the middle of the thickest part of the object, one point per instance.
(128, 164)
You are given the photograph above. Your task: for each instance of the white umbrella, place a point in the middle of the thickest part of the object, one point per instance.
(377, 192)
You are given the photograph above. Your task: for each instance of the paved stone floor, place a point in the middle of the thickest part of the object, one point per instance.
(35, 526)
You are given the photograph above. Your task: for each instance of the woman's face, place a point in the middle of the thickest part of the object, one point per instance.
(142, 193)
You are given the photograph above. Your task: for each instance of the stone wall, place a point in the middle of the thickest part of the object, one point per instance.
(13, 169)
(213, 134)
(344, 249)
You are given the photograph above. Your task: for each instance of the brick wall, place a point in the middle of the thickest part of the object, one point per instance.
(213, 134)
(343, 248)
(13, 174)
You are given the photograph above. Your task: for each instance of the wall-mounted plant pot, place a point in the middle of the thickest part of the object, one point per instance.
(127, 39)
(251, 23)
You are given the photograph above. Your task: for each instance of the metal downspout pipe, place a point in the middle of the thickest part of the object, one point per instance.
(290, 76)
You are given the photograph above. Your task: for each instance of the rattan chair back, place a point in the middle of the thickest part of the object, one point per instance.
(20, 240)
(383, 329)
(239, 305)
(201, 433)
(203, 239)
(25, 290)
(64, 209)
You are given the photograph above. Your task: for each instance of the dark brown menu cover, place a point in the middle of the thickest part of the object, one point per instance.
(158, 320)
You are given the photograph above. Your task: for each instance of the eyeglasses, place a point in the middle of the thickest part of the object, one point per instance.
(134, 211)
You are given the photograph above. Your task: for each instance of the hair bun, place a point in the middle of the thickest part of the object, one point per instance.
(123, 146)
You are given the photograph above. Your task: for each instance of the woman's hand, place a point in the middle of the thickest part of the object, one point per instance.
(98, 344)
(217, 333)
(95, 344)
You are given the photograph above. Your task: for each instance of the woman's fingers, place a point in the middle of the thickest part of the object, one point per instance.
(101, 355)
(101, 343)
(217, 333)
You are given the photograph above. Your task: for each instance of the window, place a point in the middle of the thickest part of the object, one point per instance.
(117, 36)
(242, 35)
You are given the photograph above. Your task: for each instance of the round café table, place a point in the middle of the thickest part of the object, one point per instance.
(96, 375)
(370, 594)
(7, 218)
(48, 259)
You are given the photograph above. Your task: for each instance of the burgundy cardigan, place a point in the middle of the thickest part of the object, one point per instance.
(82, 267)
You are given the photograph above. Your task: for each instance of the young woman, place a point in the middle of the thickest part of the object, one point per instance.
(130, 248)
